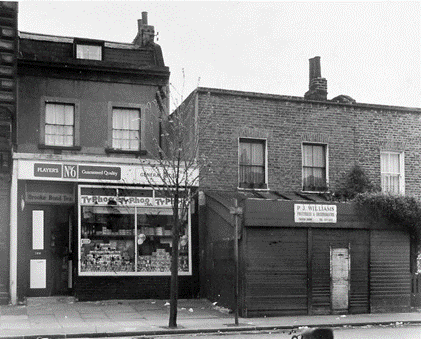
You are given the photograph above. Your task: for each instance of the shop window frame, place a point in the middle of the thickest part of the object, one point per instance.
(135, 236)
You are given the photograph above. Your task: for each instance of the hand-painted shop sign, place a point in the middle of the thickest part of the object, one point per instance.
(70, 171)
(49, 198)
(316, 213)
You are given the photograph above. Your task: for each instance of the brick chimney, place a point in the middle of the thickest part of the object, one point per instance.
(318, 85)
(145, 35)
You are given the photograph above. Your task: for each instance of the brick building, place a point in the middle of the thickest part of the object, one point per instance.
(8, 53)
(280, 157)
(85, 221)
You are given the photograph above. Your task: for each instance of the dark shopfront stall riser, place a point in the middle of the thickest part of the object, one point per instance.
(289, 267)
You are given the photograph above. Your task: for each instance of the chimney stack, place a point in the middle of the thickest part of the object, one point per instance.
(146, 34)
(318, 85)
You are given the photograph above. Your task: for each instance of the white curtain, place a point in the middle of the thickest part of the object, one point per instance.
(390, 172)
(126, 124)
(314, 167)
(59, 124)
(252, 163)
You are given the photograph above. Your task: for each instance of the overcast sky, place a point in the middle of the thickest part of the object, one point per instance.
(369, 51)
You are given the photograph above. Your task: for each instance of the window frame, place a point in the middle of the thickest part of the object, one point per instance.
(326, 152)
(265, 161)
(76, 121)
(401, 178)
(82, 42)
(139, 206)
(111, 106)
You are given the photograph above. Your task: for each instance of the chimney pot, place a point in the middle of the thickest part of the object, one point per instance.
(145, 18)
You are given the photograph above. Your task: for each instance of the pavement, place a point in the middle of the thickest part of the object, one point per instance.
(63, 317)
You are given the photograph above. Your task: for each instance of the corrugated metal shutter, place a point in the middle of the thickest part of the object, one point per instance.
(390, 280)
(322, 241)
(276, 271)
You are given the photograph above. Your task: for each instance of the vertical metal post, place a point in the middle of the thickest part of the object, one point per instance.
(236, 211)
(236, 262)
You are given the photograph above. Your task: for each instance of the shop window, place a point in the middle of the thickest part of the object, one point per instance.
(128, 233)
(252, 164)
(314, 167)
(59, 123)
(392, 172)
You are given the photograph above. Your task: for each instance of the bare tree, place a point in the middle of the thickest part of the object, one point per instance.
(176, 167)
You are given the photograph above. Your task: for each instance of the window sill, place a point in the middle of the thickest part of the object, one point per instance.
(263, 187)
(119, 151)
(63, 148)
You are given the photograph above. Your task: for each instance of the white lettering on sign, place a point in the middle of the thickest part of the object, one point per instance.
(316, 213)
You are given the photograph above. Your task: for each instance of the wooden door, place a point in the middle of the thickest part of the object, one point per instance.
(49, 252)
(339, 273)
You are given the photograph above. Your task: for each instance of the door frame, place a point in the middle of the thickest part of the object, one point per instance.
(332, 250)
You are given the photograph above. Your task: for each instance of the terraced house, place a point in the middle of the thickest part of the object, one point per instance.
(283, 158)
(85, 221)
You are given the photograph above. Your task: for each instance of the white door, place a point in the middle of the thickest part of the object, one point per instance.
(339, 274)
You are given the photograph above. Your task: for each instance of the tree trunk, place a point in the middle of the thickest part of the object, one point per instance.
(174, 267)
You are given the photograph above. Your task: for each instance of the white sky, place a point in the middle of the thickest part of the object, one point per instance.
(370, 51)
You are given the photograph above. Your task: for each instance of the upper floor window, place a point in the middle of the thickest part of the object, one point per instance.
(90, 52)
(252, 163)
(392, 172)
(126, 129)
(59, 122)
(314, 167)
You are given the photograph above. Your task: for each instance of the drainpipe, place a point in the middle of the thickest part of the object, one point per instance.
(14, 234)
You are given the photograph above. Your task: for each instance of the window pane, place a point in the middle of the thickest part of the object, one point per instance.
(257, 154)
(307, 155)
(394, 163)
(318, 156)
(245, 153)
(384, 163)
(50, 117)
(91, 52)
(69, 115)
(59, 114)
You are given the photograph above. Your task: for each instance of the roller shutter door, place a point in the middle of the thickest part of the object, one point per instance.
(276, 271)
(390, 288)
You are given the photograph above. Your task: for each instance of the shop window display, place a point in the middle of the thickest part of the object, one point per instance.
(126, 236)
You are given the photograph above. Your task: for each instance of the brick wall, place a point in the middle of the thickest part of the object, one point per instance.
(354, 133)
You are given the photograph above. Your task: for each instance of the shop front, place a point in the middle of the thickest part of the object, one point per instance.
(302, 255)
(94, 231)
